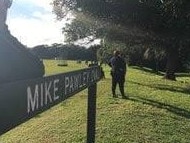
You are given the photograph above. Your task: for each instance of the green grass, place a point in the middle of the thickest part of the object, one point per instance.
(157, 111)
(52, 68)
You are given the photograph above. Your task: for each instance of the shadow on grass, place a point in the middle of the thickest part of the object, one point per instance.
(165, 87)
(173, 109)
(148, 70)
(182, 74)
(37, 116)
(159, 72)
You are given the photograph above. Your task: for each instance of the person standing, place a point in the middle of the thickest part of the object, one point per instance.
(118, 72)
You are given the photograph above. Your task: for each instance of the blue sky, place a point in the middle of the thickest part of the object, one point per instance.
(33, 23)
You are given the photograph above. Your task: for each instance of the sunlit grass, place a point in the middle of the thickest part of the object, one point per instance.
(157, 111)
(51, 67)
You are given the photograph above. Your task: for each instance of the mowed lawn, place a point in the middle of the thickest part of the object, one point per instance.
(157, 111)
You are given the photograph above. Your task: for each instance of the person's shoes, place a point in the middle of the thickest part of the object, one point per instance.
(114, 95)
(125, 97)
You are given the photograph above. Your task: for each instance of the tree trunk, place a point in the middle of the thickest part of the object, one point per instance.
(172, 63)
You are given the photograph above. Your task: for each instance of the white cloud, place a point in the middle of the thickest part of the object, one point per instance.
(41, 3)
(41, 28)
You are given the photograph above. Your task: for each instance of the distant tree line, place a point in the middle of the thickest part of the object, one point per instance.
(69, 52)
(139, 55)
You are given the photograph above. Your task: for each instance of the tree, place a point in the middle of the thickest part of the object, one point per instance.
(164, 22)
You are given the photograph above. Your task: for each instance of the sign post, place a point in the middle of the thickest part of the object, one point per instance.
(91, 117)
(20, 101)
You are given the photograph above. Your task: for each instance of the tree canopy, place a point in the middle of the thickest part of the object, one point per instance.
(160, 16)
(164, 23)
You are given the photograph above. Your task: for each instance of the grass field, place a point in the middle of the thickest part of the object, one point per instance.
(157, 111)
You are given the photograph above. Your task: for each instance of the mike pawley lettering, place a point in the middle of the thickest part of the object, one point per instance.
(47, 92)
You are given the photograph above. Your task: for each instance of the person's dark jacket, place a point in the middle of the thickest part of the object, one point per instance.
(118, 65)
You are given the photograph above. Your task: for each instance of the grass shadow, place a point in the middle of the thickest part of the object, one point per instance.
(148, 70)
(165, 87)
(173, 109)
(182, 74)
(37, 116)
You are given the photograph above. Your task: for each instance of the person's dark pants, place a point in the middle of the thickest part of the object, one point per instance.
(118, 79)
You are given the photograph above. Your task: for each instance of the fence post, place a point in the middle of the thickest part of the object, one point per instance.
(91, 117)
